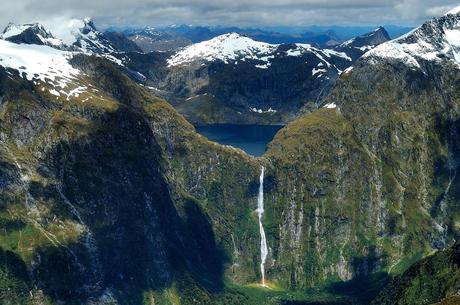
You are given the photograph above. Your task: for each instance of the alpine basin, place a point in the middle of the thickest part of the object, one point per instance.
(253, 139)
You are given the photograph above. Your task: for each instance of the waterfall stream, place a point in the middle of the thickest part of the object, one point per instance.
(263, 240)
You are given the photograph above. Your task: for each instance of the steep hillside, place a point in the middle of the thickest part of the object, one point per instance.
(86, 189)
(375, 172)
(434, 279)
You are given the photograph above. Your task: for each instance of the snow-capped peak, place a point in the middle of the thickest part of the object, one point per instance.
(31, 33)
(72, 35)
(235, 48)
(88, 20)
(224, 47)
(453, 11)
(435, 40)
(14, 29)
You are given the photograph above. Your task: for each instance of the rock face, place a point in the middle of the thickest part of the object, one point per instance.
(376, 170)
(104, 180)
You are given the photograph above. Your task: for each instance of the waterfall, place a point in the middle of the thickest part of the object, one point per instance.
(263, 240)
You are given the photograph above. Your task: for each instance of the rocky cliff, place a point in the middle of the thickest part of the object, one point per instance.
(374, 173)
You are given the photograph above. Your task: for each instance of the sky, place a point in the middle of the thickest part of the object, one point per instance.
(243, 13)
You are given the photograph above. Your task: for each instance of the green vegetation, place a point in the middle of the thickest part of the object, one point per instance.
(426, 282)
(121, 193)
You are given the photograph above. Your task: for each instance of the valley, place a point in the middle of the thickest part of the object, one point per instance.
(230, 171)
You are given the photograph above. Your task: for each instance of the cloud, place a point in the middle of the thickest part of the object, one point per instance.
(227, 12)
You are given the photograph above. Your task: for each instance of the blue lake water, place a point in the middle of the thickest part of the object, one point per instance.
(253, 139)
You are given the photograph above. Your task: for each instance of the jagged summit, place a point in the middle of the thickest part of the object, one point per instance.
(73, 35)
(30, 33)
(368, 40)
(436, 40)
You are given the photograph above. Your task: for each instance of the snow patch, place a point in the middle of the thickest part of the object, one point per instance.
(225, 48)
(392, 50)
(264, 66)
(330, 106)
(294, 52)
(75, 92)
(330, 53)
(270, 110)
(347, 70)
(316, 71)
(38, 62)
(54, 92)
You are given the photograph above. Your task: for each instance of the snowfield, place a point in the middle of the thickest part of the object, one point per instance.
(40, 63)
(225, 47)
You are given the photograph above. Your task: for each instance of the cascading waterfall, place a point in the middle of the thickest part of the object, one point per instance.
(263, 240)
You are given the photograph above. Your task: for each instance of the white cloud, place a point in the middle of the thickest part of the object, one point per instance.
(228, 12)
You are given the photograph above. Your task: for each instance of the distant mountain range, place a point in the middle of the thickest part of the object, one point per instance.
(172, 37)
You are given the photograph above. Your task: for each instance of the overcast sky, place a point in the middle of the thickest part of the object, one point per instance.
(260, 13)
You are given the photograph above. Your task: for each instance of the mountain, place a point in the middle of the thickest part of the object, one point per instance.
(173, 37)
(121, 239)
(78, 35)
(345, 33)
(367, 41)
(435, 41)
(150, 39)
(359, 45)
(387, 166)
(30, 34)
(228, 79)
(235, 79)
